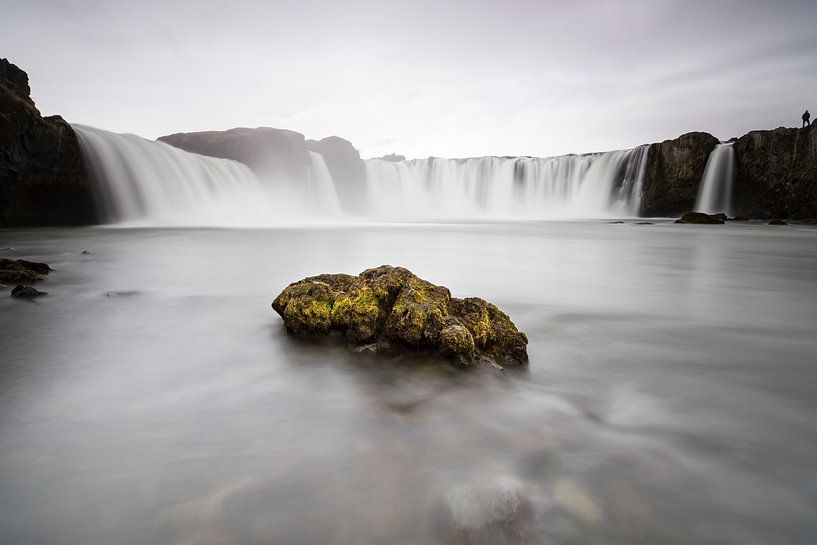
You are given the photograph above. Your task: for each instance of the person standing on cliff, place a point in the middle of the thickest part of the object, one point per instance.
(806, 118)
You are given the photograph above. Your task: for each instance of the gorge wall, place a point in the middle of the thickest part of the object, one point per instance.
(43, 180)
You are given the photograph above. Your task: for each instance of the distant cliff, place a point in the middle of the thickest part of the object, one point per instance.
(43, 180)
(283, 155)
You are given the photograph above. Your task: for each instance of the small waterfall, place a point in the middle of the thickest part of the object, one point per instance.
(142, 182)
(715, 194)
(593, 185)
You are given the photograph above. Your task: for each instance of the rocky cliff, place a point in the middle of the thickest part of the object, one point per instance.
(673, 174)
(347, 169)
(776, 173)
(269, 152)
(42, 175)
(282, 155)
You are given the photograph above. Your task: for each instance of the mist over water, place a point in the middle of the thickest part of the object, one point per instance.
(154, 397)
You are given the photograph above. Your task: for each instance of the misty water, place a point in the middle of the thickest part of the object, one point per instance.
(154, 397)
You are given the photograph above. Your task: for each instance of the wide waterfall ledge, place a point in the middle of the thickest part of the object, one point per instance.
(143, 182)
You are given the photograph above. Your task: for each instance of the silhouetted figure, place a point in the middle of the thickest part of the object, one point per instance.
(806, 118)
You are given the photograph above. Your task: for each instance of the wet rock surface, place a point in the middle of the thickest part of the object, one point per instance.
(43, 180)
(26, 292)
(391, 307)
(20, 271)
(702, 218)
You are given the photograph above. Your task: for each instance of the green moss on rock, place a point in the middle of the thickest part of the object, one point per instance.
(391, 305)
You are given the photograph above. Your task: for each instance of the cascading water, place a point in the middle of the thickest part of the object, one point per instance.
(715, 194)
(141, 182)
(594, 185)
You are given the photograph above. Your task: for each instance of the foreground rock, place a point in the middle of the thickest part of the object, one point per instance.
(43, 180)
(20, 271)
(701, 218)
(391, 306)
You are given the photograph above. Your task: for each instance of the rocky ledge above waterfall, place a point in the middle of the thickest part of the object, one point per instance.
(390, 307)
(278, 154)
(42, 174)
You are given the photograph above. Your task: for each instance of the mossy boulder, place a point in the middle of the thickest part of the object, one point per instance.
(391, 306)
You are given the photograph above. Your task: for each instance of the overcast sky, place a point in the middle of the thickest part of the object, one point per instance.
(445, 78)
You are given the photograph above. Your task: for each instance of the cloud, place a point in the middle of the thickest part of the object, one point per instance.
(423, 78)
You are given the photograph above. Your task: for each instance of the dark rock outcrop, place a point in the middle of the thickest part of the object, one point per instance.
(271, 153)
(26, 292)
(778, 222)
(673, 173)
(347, 169)
(391, 306)
(701, 218)
(20, 271)
(776, 173)
(43, 180)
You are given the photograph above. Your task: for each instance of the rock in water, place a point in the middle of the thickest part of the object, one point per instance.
(701, 218)
(22, 271)
(488, 515)
(778, 222)
(26, 292)
(391, 305)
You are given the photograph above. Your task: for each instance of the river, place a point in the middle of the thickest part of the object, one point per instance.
(154, 397)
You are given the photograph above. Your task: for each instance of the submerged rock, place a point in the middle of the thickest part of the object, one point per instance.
(20, 271)
(702, 218)
(26, 292)
(390, 305)
(488, 515)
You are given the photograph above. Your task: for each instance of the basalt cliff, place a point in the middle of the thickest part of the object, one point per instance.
(43, 180)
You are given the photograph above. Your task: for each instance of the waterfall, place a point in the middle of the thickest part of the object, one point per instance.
(715, 194)
(593, 185)
(322, 189)
(142, 182)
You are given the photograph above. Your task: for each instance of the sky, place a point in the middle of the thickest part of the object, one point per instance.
(422, 78)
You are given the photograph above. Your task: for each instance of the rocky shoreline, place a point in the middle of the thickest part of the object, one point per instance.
(44, 179)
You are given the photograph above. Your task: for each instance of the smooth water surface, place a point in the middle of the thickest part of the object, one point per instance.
(154, 398)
